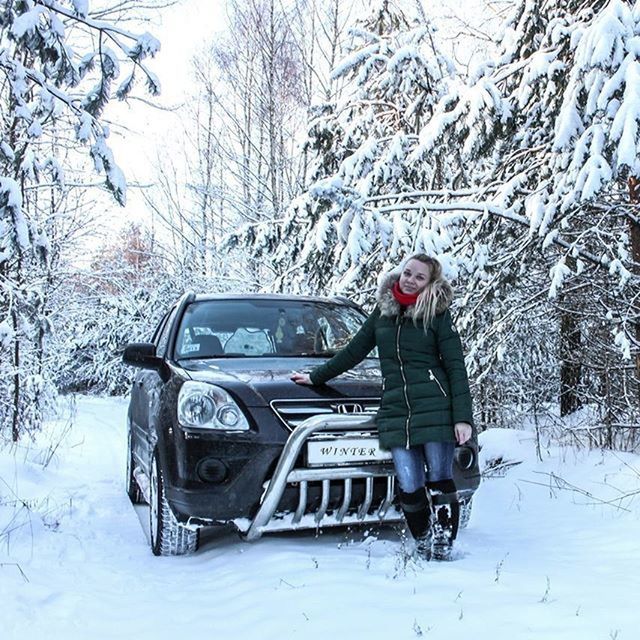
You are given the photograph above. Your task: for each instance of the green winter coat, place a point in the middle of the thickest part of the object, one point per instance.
(425, 386)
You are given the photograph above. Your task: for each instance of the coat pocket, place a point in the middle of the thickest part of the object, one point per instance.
(434, 379)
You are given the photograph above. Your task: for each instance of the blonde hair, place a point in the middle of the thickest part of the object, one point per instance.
(432, 295)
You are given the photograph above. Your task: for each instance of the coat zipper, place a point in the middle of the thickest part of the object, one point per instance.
(433, 377)
(404, 384)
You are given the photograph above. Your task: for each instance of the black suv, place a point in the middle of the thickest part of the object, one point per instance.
(219, 434)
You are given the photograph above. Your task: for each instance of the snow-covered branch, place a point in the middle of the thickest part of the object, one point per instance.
(483, 208)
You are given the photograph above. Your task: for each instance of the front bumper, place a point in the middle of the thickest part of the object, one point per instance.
(299, 497)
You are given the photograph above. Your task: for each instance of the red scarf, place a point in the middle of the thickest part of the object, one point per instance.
(405, 299)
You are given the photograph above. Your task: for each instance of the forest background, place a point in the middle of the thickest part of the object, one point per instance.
(319, 143)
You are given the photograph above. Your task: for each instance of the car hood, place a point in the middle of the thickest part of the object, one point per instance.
(258, 381)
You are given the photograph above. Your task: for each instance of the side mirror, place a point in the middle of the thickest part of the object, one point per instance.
(143, 355)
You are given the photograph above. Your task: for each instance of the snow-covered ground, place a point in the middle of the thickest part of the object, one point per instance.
(540, 558)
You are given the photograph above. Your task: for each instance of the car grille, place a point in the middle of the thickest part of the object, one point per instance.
(295, 412)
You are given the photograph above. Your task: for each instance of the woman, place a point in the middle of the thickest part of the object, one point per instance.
(426, 403)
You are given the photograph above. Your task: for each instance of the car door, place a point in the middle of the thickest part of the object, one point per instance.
(138, 404)
(147, 386)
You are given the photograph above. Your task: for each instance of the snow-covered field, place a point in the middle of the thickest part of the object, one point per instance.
(540, 559)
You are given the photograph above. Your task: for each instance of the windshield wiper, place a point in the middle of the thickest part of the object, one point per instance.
(319, 354)
(221, 356)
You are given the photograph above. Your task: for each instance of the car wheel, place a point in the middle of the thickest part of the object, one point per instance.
(133, 490)
(168, 536)
(465, 511)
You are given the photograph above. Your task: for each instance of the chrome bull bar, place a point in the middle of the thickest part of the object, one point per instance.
(286, 474)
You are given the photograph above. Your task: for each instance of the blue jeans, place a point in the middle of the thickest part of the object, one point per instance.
(410, 464)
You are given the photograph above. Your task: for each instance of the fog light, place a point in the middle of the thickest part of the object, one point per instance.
(212, 470)
(465, 458)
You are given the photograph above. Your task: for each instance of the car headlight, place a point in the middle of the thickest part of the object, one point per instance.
(205, 406)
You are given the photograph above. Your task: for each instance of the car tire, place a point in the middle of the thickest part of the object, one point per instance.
(133, 490)
(168, 536)
(465, 512)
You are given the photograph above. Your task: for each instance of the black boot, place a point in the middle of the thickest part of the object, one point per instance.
(446, 516)
(417, 513)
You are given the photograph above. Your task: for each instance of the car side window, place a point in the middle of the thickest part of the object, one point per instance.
(162, 338)
(160, 326)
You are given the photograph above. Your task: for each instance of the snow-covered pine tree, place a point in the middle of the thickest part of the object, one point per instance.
(60, 65)
(551, 132)
(392, 77)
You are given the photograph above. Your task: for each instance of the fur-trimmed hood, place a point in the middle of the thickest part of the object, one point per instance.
(389, 306)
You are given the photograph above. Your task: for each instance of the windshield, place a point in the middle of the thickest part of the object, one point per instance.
(256, 328)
